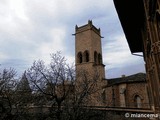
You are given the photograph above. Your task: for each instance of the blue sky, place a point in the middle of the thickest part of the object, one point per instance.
(32, 30)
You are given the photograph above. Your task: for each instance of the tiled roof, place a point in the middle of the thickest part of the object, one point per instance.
(139, 77)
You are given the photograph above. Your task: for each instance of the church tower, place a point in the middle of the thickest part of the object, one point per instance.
(88, 50)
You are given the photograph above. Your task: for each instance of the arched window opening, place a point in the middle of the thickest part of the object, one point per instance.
(99, 58)
(104, 96)
(79, 57)
(86, 56)
(138, 101)
(95, 57)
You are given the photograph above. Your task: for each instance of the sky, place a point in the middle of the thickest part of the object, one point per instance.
(33, 29)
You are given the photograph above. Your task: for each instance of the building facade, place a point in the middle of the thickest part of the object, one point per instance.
(143, 35)
(89, 63)
(129, 91)
(88, 49)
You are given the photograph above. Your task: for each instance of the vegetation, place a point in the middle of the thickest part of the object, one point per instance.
(49, 92)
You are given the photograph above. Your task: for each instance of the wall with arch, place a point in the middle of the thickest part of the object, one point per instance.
(83, 57)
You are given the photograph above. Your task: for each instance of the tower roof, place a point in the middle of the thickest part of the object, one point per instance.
(88, 26)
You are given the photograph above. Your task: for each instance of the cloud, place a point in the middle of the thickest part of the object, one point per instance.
(117, 48)
(119, 60)
(32, 30)
(132, 68)
(56, 43)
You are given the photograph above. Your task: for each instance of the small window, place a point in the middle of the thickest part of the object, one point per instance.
(99, 58)
(95, 57)
(86, 56)
(103, 96)
(79, 57)
(138, 101)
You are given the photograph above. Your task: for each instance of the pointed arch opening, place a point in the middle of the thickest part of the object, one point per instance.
(103, 96)
(138, 101)
(99, 58)
(79, 57)
(86, 56)
(95, 57)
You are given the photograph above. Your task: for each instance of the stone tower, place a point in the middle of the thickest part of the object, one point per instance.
(90, 71)
(88, 50)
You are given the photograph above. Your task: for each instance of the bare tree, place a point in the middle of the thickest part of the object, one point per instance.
(23, 96)
(14, 95)
(7, 87)
(85, 88)
(68, 96)
(52, 80)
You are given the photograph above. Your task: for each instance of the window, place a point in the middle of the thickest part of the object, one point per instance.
(95, 57)
(86, 56)
(79, 57)
(104, 96)
(138, 101)
(99, 58)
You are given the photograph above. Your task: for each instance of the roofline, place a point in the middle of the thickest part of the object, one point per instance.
(131, 24)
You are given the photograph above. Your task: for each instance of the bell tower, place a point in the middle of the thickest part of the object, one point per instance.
(88, 50)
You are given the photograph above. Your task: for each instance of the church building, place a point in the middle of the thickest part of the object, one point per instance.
(127, 91)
